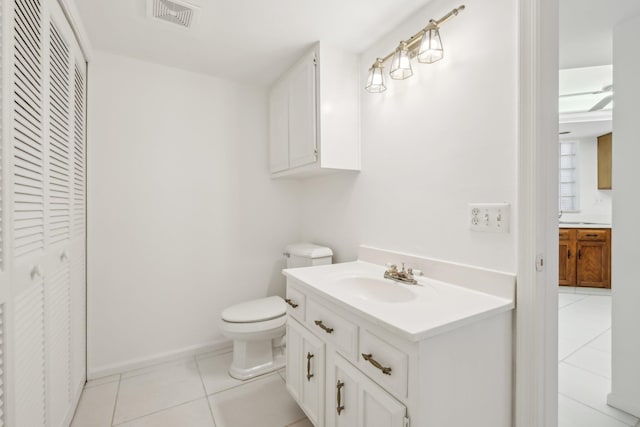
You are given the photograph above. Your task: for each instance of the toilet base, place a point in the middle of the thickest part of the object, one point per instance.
(253, 358)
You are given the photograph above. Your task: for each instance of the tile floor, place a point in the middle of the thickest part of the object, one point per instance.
(584, 355)
(195, 392)
(198, 392)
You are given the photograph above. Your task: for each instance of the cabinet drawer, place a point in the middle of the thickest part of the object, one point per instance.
(594, 235)
(296, 302)
(564, 234)
(386, 365)
(332, 328)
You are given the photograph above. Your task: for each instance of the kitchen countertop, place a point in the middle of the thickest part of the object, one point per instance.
(583, 225)
(435, 308)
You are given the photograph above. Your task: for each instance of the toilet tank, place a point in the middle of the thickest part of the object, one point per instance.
(307, 255)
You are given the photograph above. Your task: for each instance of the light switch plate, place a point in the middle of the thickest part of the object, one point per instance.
(489, 217)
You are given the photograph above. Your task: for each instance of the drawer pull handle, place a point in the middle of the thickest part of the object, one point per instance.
(291, 303)
(569, 253)
(579, 254)
(323, 327)
(591, 235)
(309, 374)
(340, 406)
(369, 358)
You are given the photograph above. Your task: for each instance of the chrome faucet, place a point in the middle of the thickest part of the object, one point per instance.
(403, 276)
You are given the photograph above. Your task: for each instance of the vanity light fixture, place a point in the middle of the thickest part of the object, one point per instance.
(426, 45)
(375, 82)
(401, 63)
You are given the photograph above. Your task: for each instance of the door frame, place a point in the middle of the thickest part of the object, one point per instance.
(536, 341)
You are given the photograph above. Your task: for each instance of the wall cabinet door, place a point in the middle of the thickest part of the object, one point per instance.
(355, 400)
(279, 127)
(302, 113)
(593, 264)
(305, 370)
(567, 258)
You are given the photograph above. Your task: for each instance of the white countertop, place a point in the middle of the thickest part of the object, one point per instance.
(436, 308)
(583, 225)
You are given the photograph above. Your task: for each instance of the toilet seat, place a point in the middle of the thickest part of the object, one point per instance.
(255, 311)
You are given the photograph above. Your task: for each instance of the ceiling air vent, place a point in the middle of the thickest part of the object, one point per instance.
(174, 11)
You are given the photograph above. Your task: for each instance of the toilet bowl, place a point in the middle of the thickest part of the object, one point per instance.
(257, 329)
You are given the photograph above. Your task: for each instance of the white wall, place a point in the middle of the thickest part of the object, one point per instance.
(625, 384)
(183, 218)
(431, 144)
(594, 204)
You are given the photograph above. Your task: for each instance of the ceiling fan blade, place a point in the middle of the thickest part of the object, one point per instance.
(602, 103)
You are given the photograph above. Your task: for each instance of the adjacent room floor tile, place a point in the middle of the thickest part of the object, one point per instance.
(158, 389)
(590, 390)
(602, 343)
(270, 403)
(565, 299)
(96, 406)
(192, 414)
(595, 361)
(575, 414)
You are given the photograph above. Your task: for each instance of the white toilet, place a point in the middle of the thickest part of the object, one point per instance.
(257, 327)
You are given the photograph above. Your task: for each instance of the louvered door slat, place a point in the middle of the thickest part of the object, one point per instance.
(29, 356)
(59, 341)
(59, 138)
(28, 156)
(79, 154)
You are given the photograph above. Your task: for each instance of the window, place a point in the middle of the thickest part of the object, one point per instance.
(568, 177)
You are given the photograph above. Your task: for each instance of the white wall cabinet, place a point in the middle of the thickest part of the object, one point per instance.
(375, 378)
(42, 228)
(314, 115)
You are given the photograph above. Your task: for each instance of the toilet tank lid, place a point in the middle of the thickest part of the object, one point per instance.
(258, 310)
(308, 250)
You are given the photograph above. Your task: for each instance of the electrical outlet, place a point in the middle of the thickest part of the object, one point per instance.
(489, 217)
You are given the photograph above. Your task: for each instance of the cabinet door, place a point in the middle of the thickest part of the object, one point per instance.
(305, 370)
(302, 113)
(279, 127)
(593, 264)
(363, 403)
(567, 258)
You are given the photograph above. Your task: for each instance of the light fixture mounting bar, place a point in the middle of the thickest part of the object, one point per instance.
(414, 41)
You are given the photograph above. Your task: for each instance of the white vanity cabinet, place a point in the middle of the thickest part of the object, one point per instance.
(366, 374)
(314, 115)
(305, 371)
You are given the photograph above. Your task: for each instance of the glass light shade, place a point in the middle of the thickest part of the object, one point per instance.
(401, 63)
(431, 46)
(375, 82)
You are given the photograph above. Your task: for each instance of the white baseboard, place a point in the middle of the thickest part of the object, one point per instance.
(628, 406)
(119, 368)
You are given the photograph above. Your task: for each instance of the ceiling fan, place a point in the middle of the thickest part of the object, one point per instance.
(608, 89)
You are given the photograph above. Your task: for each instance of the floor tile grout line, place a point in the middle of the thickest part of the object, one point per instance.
(158, 411)
(115, 402)
(572, 302)
(584, 345)
(206, 396)
(587, 370)
(597, 410)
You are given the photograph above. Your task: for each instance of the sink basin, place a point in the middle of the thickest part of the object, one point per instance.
(373, 289)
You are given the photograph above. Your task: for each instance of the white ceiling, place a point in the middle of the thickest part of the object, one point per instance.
(243, 40)
(590, 129)
(586, 30)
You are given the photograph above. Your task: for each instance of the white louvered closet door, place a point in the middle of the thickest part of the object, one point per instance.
(48, 192)
(28, 181)
(5, 290)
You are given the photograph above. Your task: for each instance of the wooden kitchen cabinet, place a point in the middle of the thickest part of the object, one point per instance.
(585, 257)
